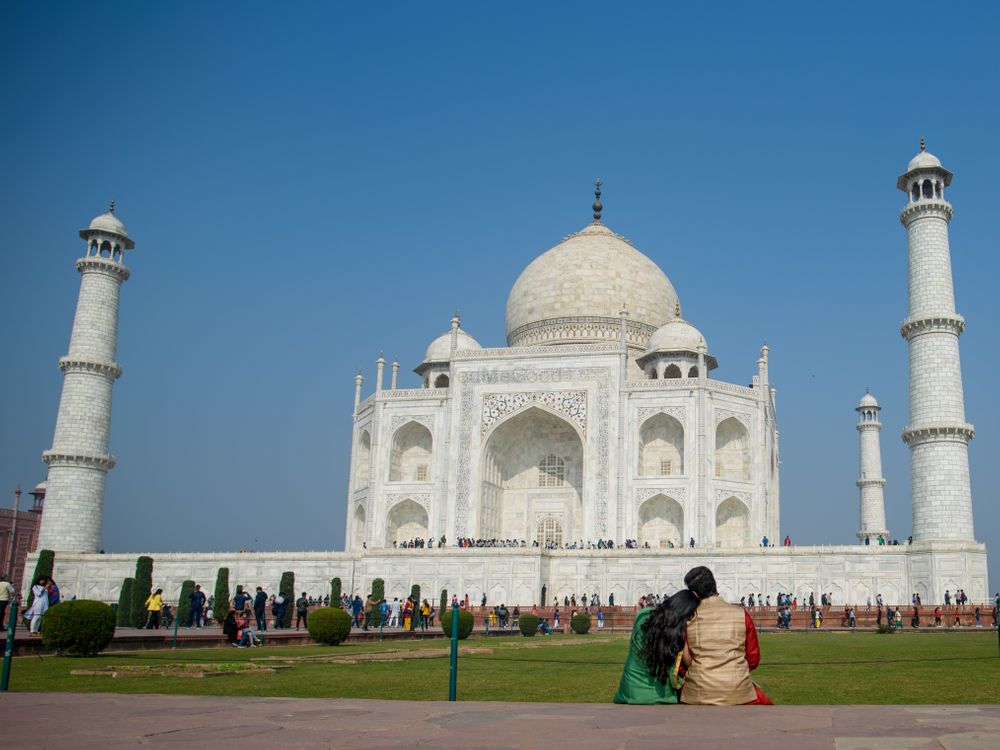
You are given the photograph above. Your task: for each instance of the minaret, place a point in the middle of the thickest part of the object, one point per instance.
(937, 434)
(79, 459)
(871, 482)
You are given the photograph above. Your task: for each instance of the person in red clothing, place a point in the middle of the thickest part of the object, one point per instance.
(721, 649)
(788, 541)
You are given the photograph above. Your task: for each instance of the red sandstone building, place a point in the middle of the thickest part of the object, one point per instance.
(19, 533)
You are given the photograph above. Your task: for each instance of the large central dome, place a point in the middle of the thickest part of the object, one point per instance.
(574, 292)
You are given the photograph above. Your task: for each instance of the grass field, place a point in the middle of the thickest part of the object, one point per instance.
(797, 668)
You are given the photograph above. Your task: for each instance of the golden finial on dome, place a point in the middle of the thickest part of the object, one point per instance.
(677, 309)
(597, 201)
(111, 208)
(923, 144)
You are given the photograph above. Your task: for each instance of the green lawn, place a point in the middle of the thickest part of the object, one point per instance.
(797, 668)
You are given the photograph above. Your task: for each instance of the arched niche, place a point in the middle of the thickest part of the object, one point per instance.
(732, 450)
(661, 446)
(660, 520)
(532, 468)
(732, 524)
(406, 520)
(362, 461)
(360, 527)
(410, 457)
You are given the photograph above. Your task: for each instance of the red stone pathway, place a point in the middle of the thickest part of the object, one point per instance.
(78, 721)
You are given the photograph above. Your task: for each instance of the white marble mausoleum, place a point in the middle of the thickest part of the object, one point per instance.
(601, 419)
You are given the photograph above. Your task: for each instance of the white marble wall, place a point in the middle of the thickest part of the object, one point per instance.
(515, 576)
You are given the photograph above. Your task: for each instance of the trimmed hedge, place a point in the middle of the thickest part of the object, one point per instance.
(329, 625)
(335, 592)
(415, 596)
(46, 559)
(78, 628)
(444, 601)
(528, 624)
(184, 603)
(580, 623)
(287, 587)
(220, 605)
(141, 590)
(123, 617)
(378, 590)
(465, 623)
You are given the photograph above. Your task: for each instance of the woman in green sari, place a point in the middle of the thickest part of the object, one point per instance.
(655, 648)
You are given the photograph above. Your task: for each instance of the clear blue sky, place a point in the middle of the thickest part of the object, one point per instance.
(310, 183)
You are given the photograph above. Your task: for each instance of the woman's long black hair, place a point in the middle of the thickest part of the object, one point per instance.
(664, 633)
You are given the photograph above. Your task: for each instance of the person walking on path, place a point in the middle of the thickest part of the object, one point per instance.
(7, 595)
(154, 605)
(302, 611)
(39, 605)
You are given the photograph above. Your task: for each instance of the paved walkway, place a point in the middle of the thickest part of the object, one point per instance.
(78, 721)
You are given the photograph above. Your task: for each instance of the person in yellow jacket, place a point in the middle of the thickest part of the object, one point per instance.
(153, 606)
(425, 613)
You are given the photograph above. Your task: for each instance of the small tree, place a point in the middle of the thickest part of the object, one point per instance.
(220, 605)
(415, 596)
(580, 623)
(184, 602)
(528, 625)
(335, 592)
(287, 587)
(378, 594)
(46, 559)
(444, 601)
(78, 628)
(329, 625)
(465, 623)
(124, 614)
(141, 590)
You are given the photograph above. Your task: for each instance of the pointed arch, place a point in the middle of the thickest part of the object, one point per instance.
(406, 520)
(661, 447)
(732, 450)
(531, 468)
(732, 524)
(660, 520)
(362, 461)
(411, 454)
(360, 527)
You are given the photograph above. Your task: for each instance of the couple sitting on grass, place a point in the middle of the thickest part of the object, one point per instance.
(693, 648)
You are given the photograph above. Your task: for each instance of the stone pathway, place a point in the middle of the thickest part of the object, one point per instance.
(78, 721)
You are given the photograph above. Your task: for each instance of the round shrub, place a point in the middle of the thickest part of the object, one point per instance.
(78, 628)
(465, 623)
(528, 625)
(329, 625)
(580, 623)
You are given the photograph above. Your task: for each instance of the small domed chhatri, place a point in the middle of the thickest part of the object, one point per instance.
(440, 348)
(108, 223)
(574, 292)
(435, 370)
(867, 400)
(673, 351)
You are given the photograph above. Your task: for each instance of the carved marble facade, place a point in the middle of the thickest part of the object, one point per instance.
(552, 444)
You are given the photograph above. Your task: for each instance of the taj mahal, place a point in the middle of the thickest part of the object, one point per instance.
(595, 452)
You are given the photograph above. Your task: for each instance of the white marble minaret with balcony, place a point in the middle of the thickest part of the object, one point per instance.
(937, 434)
(871, 483)
(79, 459)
